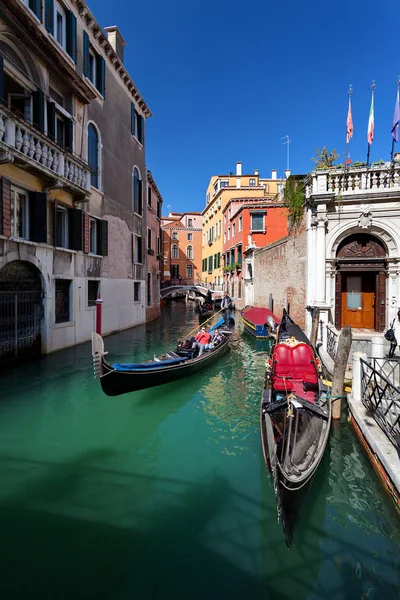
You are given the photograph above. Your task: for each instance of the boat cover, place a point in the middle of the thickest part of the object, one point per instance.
(149, 365)
(259, 316)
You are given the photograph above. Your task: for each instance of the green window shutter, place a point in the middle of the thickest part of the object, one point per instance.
(101, 74)
(86, 47)
(51, 120)
(2, 100)
(140, 128)
(140, 197)
(69, 135)
(104, 237)
(71, 35)
(38, 217)
(133, 119)
(36, 7)
(38, 109)
(49, 16)
(75, 228)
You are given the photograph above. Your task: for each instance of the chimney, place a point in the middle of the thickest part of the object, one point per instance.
(255, 171)
(287, 173)
(238, 168)
(273, 175)
(116, 41)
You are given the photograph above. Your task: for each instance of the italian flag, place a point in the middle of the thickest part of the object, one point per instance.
(371, 122)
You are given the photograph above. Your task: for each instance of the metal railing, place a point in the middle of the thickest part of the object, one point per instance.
(380, 394)
(331, 342)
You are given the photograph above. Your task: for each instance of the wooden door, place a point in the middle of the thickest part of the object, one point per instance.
(358, 300)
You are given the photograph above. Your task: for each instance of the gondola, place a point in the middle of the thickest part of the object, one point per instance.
(117, 378)
(295, 420)
(259, 322)
(206, 310)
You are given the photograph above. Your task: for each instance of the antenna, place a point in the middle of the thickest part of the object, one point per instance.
(287, 143)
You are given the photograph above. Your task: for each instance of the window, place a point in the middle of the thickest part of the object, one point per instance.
(210, 264)
(149, 195)
(215, 188)
(174, 235)
(60, 25)
(257, 222)
(93, 292)
(62, 227)
(158, 246)
(137, 192)
(229, 233)
(190, 222)
(62, 300)
(60, 130)
(159, 210)
(211, 238)
(224, 184)
(94, 156)
(204, 265)
(189, 253)
(219, 261)
(189, 271)
(174, 271)
(93, 236)
(233, 229)
(136, 291)
(239, 255)
(35, 6)
(252, 182)
(93, 65)
(149, 241)
(240, 223)
(189, 237)
(148, 289)
(138, 250)
(137, 124)
(174, 251)
(215, 260)
(224, 237)
(19, 213)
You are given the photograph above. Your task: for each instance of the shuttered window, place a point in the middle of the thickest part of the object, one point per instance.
(93, 156)
(137, 124)
(36, 8)
(71, 35)
(38, 109)
(86, 54)
(137, 192)
(49, 16)
(101, 75)
(38, 217)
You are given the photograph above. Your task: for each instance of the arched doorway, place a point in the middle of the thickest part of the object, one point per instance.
(361, 283)
(21, 310)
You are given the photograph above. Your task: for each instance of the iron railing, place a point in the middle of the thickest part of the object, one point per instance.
(331, 342)
(20, 318)
(380, 394)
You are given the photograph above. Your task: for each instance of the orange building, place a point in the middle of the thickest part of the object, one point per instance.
(182, 247)
(249, 223)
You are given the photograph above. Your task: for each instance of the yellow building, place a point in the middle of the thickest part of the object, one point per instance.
(220, 190)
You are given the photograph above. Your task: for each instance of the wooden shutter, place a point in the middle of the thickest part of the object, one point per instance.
(86, 47)
(140, 197)
(133, 119)
(75, 228)
(38, 217)
(338, 301)
(49, 16)
(69, 135)
(86, 233)
(101, 75)
(103, 246)
(36, 7)
(2, 99)
(140, 128)
(38, 109)
(71, 35)
(51, 120)
(5, 207)
(380, 301)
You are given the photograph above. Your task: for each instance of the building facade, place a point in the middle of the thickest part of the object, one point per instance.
(221, 190)
(182, 247)
(72, 167)
(154, 255)
(353, 246)
(249, 222)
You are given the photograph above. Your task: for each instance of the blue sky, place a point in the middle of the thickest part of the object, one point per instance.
(225, 80)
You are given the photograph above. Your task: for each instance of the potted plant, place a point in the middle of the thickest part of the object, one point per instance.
(237, 266)
(160, 256)
(150, 251)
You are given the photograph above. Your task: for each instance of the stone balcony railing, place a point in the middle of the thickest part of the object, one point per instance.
(23, 143)
(354, 181)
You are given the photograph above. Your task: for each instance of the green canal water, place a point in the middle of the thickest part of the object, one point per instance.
(163, 494)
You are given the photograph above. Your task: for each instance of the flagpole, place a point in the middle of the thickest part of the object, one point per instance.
(373, 108)
(393, 140)
(347, 137)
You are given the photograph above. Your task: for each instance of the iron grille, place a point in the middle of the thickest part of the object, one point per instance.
(62, 300)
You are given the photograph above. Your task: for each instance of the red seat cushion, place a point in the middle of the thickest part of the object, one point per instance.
(296, 362)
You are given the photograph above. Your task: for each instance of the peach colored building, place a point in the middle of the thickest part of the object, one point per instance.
(182, 247)
(153, 244)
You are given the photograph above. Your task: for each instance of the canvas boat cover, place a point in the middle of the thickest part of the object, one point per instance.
(259, 316)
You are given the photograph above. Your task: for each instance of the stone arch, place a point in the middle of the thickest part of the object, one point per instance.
(383, 231)
(22, 275)
(19, 56)
(26, 257)
(360, 246)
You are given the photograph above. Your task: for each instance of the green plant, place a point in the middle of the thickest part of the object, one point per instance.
(228, 269)
(293, 198)
(377, 163)
(237, 266)
(324, 158)
(339, 166)
(359, 163)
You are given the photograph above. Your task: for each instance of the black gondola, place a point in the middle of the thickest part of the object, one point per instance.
(117, 379)
(295, 419)
(206, 310)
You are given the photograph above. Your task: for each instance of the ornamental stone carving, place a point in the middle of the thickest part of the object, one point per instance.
(365, 220)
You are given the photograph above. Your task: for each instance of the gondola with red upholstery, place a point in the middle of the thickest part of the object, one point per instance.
(295, 420)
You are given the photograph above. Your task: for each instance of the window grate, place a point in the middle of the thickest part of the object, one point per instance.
(62, 300)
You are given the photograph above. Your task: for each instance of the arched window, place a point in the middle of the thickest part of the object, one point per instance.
(189, 252)
(94, 155)
(137, 192)
(174, 251)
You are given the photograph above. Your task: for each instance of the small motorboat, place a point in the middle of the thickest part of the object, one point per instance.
(295, 420)
(122, 378)
(259, 322)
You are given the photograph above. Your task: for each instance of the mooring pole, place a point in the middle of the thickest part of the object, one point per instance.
(342, 357)
(314, 327)
(99, 307)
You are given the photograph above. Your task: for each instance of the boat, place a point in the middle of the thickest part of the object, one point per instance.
(295, 420)
(122, 378)
(259, 322)
(206, 310)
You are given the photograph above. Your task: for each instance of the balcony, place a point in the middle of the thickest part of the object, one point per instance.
(380, 179)
(30, 149)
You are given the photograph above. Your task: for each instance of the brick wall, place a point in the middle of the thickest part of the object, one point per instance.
(280, 270)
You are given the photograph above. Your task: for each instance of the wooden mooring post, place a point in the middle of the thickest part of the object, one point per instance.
(314, 327)
(341, 360)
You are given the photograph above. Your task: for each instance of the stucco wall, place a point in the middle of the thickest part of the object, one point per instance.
(280, 270)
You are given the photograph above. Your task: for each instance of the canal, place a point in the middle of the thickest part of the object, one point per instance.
(163, 493)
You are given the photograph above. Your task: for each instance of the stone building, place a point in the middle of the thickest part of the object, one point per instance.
(72, 167)
(154, 253)
(182, 247)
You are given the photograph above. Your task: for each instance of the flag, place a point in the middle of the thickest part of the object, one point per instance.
(396, 119)
(349, 124)
(371, 121)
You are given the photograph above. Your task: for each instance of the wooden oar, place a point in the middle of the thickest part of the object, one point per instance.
(209, 319)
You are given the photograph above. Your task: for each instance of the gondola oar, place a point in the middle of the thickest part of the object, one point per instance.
(206, 321)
